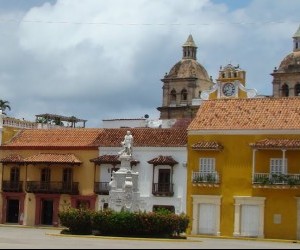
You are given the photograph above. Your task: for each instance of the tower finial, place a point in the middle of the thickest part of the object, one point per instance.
(189, 49)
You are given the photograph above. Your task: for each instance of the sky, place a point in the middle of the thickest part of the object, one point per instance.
(99, 60)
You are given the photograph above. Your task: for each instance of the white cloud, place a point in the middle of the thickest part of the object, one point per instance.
(99, 59)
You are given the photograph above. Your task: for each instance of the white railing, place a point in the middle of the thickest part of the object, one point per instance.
(15, 123)
(275, 179)
(200, 177)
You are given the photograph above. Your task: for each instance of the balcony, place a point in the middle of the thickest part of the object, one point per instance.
(101, 188)
(162, 189)
(206, 179)
(268, 180)
(53, 187)
(12, 186)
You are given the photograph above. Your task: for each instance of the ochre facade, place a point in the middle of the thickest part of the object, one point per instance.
(243, 168)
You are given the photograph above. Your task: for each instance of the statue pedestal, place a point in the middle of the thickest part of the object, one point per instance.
(124, 193)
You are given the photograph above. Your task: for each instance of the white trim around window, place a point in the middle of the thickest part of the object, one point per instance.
(259, 204)
(213, 200)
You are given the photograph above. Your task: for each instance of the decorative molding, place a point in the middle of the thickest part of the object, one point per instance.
(251, 93)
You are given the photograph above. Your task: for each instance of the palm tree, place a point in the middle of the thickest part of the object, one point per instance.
(4, 105)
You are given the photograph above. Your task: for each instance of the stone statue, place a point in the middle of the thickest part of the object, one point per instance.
(127, 144)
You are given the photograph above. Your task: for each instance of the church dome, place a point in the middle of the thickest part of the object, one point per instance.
(291, 63)
(187, 68)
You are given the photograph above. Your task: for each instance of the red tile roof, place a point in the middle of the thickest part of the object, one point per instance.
(277, 144)
(84, 138)
(207, 145)
(54, 138)
(110, 159)
(248, 114)
(13, 158)
(144, 137)
(53, 158)
(163, 160)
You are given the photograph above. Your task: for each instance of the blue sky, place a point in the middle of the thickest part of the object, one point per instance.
(99, 59)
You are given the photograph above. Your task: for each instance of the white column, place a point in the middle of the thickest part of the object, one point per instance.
(253, 164)
(298, 217)
(195, 217)
(1, 126)
(262, 219)
(236, 230)
(283, 161)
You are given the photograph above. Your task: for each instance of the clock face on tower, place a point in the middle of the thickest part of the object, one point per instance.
(228, 89)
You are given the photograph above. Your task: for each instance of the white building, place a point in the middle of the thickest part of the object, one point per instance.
(159, 156)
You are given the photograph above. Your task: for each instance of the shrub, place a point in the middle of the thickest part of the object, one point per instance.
(78, 221)
(108, 222)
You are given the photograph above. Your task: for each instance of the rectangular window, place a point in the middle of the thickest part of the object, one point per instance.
(278, 166)
(207, 165)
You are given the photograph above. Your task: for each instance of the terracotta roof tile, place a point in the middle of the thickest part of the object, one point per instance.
(13, 158)
(163, 160)
(207, 145)
(110, 159)
(71, 137)
(277, 144)
(52, 158)
(253, 113)
(88, 137)
(144, 137)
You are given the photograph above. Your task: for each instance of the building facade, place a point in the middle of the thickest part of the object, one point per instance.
(243, 178)
(159, 158)
(45, 171)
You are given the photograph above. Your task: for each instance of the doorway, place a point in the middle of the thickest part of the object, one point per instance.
(47, 212)
(12, 212)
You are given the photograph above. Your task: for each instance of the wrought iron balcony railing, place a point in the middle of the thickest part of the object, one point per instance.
(52, 187)
(12, 186)
(101, 188)
(276, 179)
(162, 189)
(200, 177)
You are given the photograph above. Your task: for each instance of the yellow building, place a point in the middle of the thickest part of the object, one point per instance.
(243, 168)
(44, 171)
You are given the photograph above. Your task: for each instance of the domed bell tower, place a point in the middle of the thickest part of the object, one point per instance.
(286, 79)
(185, 82)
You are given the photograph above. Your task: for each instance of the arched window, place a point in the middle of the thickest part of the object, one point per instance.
(285, 90)
(173, 96)
(14, 174)
(184, 95)
(297, 89)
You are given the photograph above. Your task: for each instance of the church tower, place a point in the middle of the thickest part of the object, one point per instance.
(286, 79)
(231, 83)
(185, 82)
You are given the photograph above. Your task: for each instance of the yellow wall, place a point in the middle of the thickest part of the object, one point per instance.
(234, 165)
(84, 174)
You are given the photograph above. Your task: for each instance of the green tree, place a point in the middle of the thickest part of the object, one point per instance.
(4, 105)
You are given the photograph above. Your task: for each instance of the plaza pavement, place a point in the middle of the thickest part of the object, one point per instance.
(22, 237)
